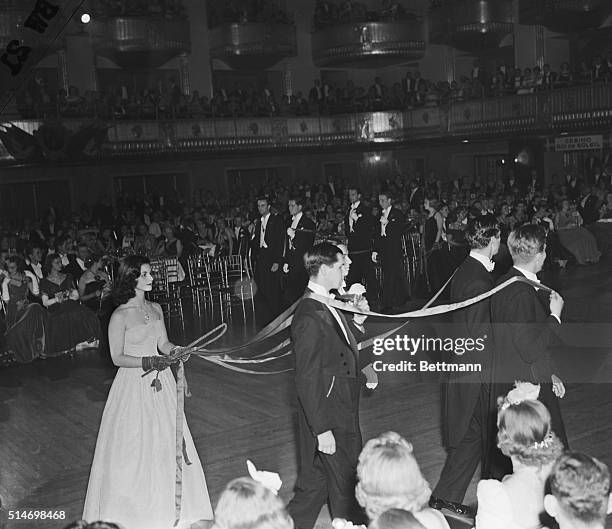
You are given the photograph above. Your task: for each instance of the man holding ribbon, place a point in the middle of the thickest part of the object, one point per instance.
(526, 323)
(328, 379)
(466, 411)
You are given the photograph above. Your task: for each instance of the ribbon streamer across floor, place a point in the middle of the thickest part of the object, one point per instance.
(227, 356)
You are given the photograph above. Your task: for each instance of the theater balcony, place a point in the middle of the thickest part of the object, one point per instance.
(143, 41)
(583, 109)
(253, 45)
(470, 25)
(565, 16)
(369, 44)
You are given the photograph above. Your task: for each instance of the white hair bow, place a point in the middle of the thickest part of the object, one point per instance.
(522, 391)
(270, 480)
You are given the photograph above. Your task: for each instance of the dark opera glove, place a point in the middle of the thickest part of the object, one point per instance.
(157, 363)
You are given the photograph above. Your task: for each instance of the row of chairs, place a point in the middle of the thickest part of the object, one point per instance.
(210, 281)
(226, 281)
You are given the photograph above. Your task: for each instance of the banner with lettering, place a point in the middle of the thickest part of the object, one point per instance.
(579, 143)
(35, 29)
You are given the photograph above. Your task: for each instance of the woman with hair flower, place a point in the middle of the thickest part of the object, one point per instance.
(526, 437)
(248, 504)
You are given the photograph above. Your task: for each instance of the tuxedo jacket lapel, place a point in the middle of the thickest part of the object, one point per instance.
(329, 319)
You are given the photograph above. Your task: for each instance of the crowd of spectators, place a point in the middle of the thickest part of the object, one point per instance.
(329, 14)
(150, 8)
(175, 226)
(245, 11)
(165, 100)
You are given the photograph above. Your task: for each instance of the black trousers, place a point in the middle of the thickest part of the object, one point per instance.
(462, 460)
(500, 464)
(362, 271)
(393, 288)
(268, 297)
(295, 280)
(328, 478)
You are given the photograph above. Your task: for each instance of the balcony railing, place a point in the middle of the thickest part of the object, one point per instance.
(583, 108)
(253, 45)
(134, 41)
(362, 44)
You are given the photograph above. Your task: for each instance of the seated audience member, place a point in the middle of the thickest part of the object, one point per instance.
(396, 519)
(76, 266)
(525, 436)
(579, 492)
(389, 477)
(94, 283)
(34, 262)
(71, 326)
(578, 240)
(170, 246)
(26, 323)
(246, 503)
(144, 243)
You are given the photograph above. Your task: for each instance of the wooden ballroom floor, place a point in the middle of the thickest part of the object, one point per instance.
(50, 412)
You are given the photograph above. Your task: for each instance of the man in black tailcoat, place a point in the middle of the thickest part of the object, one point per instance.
(466, 412)
(359, 227)
(300, 238)
(388, 247)
(526, 323)
(327, 380)
(267, 246)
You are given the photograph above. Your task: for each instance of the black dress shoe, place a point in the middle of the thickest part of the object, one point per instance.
(457, 508)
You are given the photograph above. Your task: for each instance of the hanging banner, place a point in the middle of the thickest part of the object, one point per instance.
(31, 29)
(579, 143)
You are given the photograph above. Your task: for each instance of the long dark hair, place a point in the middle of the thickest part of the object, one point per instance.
(49, 261)
(129, 271)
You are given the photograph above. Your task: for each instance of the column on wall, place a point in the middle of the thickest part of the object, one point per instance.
(303, 70)
(81, 64)
(62, 68)
(184, 74)
(198, 63)
(536, 46)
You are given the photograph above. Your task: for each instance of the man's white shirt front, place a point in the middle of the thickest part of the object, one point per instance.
(320, 291)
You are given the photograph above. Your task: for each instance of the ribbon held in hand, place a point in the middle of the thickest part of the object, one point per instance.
(270, 480)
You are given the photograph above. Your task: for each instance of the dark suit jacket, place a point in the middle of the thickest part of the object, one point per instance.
(74, 269)
(302, 242)
(470, 280)
(590, 211)
(360, 239)
(417, 200)
(326, 370)
(274, 237)
(390, 246)
(523, 331)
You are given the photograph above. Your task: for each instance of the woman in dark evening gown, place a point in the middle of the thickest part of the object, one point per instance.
(26, 322)
(70, 323)
(94, 284)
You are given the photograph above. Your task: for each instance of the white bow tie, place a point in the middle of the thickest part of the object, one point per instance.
(489, 265)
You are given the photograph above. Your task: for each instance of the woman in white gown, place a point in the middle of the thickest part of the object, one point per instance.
(525, 435)
(132, 479)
